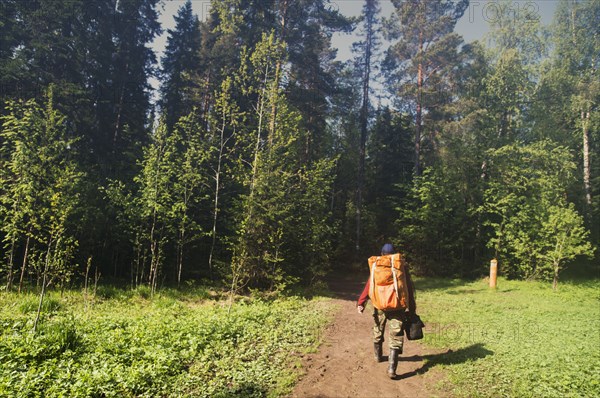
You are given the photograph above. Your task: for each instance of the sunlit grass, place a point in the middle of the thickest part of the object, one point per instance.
(124, 343)
(522, 339)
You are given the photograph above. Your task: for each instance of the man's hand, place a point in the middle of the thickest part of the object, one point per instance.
(360, 309)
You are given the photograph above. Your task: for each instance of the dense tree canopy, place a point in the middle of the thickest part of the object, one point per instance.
(265, 161)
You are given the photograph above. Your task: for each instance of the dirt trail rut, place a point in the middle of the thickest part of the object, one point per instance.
(344, 365)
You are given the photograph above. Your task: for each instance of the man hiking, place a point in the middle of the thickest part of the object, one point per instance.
(391, 291)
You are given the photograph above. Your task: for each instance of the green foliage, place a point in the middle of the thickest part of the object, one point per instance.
(250, 174)
(526, 207)
(180, 65)
(520, 32)
(169, 346)
(563, 238)
(507, 90)
(40, 186)
(29, 304)
(159, 212)
(420, 66)
(283, 214)
(495, 167)
(435, 224)
(522, 339)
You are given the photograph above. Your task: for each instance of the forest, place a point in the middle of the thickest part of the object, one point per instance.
(264, 162)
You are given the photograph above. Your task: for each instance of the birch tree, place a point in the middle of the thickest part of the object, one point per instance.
(40, 192)
(225, 122)
(156, 196)
(189, 185)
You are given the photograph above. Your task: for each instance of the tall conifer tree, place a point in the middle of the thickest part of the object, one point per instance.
(180, 66)
(420, 61)
(366, 49)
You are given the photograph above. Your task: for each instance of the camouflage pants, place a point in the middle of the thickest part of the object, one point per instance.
(394, 320)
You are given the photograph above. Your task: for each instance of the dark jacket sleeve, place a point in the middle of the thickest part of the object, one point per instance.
(364, 297)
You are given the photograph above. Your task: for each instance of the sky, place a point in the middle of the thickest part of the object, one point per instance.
(472, 26)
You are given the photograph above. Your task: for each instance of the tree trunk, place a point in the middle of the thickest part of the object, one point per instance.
(555, 281)
(137, 261)
(45, 276)
(364, 115)
(277, 79)
(87, 272)
(261, 110)
(24, 265)
(153, 255)
(217, 190)
(119, 111)
(585, 121)
(419, 108)
(180, 256)
(215, 216)
(11, 255)
(206, 102)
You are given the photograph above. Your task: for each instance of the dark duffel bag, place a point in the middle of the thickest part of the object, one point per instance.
(414, 327)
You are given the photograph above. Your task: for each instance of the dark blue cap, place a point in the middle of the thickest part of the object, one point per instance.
(388, 248)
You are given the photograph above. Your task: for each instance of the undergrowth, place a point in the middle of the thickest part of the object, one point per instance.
(123, 343)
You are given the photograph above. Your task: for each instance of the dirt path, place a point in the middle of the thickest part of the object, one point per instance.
(345, 367)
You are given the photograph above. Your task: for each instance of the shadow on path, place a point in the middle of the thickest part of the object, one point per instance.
(470, 353)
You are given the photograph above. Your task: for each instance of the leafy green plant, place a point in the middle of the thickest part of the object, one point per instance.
(30, 303)
(533, 227)
(168, 345)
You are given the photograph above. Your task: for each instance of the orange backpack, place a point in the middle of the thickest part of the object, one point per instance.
(388, 288)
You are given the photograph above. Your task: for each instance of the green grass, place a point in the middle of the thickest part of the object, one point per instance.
(124, 344)
(522, 339)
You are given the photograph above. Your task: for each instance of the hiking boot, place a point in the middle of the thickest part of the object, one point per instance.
(393, 362)
(378, 352)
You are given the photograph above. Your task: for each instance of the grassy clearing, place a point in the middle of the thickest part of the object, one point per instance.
(521, 340)
(176, 344)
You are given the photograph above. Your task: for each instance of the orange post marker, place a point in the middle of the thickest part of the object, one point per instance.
(493, 272)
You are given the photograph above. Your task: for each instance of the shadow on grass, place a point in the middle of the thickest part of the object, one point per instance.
(246, 390)
(463, 291)
(466, 354)
(428, 284)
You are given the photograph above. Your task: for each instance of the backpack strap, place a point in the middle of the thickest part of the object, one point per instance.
(373, 273)
(395, 277)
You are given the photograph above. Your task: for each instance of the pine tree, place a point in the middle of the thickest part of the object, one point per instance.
(306, 27)
(225, 121)
(517, 48)
(366, 50)
(280, 236)
(312, 81)
(389, 169)
(420, 63)
(180, 65)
